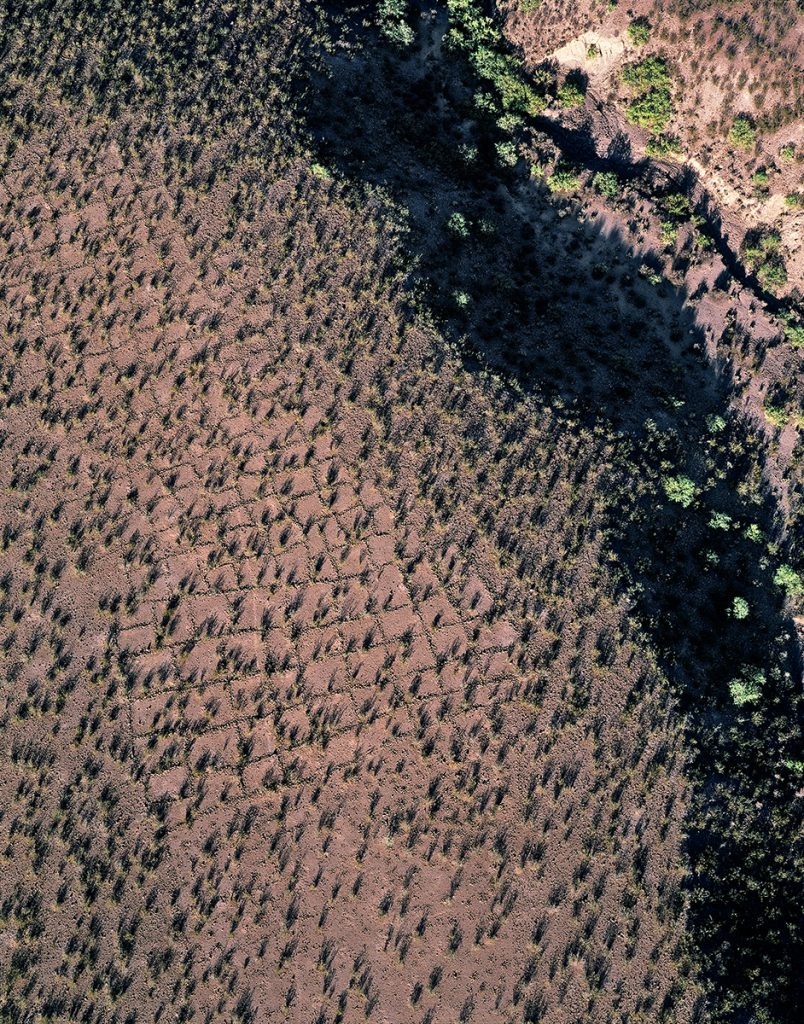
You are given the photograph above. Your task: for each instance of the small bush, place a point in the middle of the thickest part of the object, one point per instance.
(571, 95)
(772, 274)
(762, 256)
(794, 333)
(592, 51)
(663, 146)
(563, 179)
(680, 489)
(715, 423)
(507, 153)
(748, 688)
(676, 205)
(648, 73)
(743, 134)
(639, 31)
(668, 234)
(607, 183)
(652, 110)
(739, 608)
(789, 580)
(777, 415)
(458, 225)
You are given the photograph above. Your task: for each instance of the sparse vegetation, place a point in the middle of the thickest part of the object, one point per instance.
(367, 653)
(480, 39)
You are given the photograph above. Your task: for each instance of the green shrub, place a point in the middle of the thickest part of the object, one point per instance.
(652, 110)
(753, 532)
(393, 24)
(563, 179)
(501, 70)
(770, 241)
(458, 225)
(794, 333)
(663, 146)
(668, 234)
(762, 256)
(320, 171)
(509, 122)
(789, 580)
(739, 608)
(680, 489)
(788, 151)
(507, 153)
(776, 414)
(794, 200)
(571, 95)
(743, 134)
(650, 78)
(607, 183)
(468, 153)
(648, 73)
(639, 31)
(479, 37)
(676, 205)
(748, 688)
(772, 274)
(715, 423)
(486, 103)
(592, 51)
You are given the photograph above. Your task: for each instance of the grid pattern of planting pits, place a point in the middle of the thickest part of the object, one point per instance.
(373, 757)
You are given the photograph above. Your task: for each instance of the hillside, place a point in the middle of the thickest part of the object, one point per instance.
(399, 556)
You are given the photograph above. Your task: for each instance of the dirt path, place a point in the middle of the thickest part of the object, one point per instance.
(606, 54)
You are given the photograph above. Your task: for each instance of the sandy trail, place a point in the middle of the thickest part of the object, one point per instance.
(575, 53)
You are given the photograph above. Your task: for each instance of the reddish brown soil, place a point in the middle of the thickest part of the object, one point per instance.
(291, 726)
